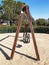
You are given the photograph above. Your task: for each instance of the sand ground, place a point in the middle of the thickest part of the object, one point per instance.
(24, 52)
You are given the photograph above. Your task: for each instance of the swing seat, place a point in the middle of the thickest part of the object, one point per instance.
(26, 38)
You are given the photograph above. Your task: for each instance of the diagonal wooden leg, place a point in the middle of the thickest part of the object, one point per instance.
(34, 41)
(32, 32)
(16, 36)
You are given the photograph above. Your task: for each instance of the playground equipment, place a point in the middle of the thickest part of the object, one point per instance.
(25, 9)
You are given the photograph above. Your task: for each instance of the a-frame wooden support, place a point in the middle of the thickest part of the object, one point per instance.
(26, 9)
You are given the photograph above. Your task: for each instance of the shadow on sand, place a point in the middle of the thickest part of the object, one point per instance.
(8, 58)
(4, 38)
(5, 54)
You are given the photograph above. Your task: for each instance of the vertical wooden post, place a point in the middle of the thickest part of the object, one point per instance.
(16, 36)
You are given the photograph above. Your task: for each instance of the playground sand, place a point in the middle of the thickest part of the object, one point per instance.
(24, 52)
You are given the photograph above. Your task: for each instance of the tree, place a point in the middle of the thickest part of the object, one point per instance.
(11, 9)
(40, 21)
(8, 7)
(1, 14)
(47, 22)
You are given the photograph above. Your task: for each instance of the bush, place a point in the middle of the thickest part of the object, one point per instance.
(12, 29)
(41, 29)
(8, 29)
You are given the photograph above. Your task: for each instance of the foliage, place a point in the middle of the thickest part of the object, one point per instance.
(11, 9)
(40, 21)
(11, 29)
(7, 29)
(41, 29)
(1, 14)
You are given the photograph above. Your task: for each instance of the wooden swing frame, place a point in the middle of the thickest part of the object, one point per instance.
(25, 9)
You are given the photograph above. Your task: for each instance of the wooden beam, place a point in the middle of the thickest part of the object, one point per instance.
(33, 36)
(16, 36)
